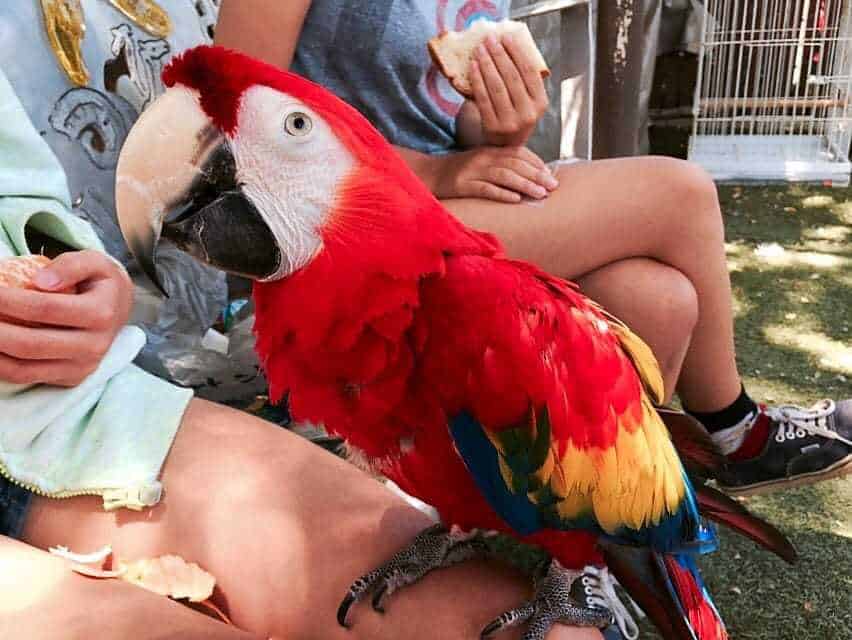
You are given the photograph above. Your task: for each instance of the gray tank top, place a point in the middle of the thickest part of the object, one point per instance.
(372, 53)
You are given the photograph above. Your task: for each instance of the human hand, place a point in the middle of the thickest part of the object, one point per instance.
(508, 90)
(504, 174)
(69, 333)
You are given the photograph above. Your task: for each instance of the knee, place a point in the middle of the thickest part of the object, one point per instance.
(678, 303)
(690, 182)
(669, 312)
(692, 194)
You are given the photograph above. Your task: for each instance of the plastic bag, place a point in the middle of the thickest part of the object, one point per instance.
(182, 345)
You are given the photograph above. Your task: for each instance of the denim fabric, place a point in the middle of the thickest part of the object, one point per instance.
(14, 503)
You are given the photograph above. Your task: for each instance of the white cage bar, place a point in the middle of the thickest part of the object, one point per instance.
(773, 95)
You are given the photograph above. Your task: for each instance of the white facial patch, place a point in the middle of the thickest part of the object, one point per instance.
(290, 165)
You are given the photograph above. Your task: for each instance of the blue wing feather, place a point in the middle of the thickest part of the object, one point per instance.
(681, 532)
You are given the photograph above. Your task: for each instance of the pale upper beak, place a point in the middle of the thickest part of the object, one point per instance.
(176, 178)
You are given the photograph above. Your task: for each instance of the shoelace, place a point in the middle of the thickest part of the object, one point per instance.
(599, 586)
(797, 422)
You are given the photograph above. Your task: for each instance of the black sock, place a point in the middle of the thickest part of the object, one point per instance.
(731, 415)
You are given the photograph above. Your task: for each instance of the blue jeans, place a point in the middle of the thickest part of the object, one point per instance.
(14, 503)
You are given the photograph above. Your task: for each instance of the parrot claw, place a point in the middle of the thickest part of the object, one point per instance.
(556, 600)
(433, 548)
(381, 590)
(343, 610)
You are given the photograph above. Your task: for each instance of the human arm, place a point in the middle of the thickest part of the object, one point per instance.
(245, 25)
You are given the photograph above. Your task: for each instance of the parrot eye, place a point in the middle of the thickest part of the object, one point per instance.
(298, 124)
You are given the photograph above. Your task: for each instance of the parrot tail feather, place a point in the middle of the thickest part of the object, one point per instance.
(693, 443)
(669, 590)
(693, 596)
(723, 509)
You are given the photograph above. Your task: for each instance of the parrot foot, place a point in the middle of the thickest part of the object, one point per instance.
(433, 548)
(559, 597)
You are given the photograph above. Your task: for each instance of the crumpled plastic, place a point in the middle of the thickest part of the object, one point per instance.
(182, 345)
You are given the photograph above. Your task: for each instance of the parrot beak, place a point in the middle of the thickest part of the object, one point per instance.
(176, 179)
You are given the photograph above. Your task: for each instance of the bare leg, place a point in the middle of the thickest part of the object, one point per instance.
(285, 527)
(607, 211)
(41, 599)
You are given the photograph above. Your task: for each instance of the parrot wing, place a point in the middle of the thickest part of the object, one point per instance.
(555, 417)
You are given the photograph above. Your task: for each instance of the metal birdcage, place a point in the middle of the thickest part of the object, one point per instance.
(773, 94)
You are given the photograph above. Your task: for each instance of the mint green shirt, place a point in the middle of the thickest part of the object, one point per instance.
(109, 435)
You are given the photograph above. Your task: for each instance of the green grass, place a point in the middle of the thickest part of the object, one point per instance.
(790, 253)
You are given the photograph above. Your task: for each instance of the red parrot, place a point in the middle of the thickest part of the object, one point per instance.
(483, 386)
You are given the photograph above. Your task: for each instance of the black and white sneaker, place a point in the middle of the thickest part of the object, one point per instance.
(802, 446)
(595, 589)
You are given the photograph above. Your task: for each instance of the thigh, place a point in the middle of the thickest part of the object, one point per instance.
(602, 211)
(42, 599)
(285, 527)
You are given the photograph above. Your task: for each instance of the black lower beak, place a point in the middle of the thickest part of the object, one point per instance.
(229, 234)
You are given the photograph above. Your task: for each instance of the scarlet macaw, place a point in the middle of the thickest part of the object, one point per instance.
(479, 384)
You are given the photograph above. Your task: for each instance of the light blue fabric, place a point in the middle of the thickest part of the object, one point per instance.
(372, 53)
(109, 435)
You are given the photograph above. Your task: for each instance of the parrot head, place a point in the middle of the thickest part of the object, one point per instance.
(247, 167)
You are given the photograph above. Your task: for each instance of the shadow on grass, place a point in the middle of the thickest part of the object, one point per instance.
(792, 277)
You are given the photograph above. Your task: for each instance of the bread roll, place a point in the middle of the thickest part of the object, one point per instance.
(453, 51)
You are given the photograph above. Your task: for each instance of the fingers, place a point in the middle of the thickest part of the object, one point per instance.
(528, 156)
(508, 72)
(495, 86)
(63, 373)
(528, 165)
(73, 268)
(480, 96)
(39, 343)
(508, 178)
(95, 309)
(504, 174)
(489, 191)
(508, 90)
(529, 74)
(515, 177)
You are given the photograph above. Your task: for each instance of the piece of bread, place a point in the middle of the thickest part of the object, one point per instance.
(453, 51)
